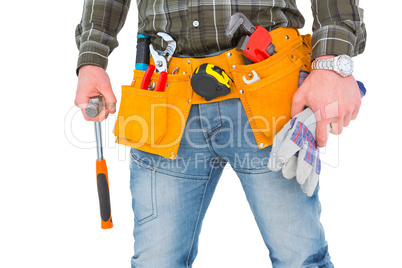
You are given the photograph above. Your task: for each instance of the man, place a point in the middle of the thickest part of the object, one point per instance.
(173, 186)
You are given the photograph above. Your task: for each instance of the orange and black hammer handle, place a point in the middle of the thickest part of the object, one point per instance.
(102, 179)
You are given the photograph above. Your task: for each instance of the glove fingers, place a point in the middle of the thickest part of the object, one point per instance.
(275, 163)
(311, 184)
(289, 169)
(279, 158)
(304, 165)
(291, 138)
(312, 180)
(281, 135)
(287, 150)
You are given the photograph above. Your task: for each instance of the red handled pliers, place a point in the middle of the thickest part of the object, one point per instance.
(147, 78)
(160, 63)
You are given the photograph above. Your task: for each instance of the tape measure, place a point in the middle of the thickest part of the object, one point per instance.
(209, 81)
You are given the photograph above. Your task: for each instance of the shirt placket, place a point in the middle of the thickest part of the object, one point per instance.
(194, 27)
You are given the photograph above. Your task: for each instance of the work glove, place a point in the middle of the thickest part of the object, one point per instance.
(295, 151)
(308, 175)
(291, 138)
(275, 163)
(305, 164)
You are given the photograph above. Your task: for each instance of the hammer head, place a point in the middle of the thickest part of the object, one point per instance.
(94, 106)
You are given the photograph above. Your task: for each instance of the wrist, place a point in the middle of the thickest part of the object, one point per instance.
(88, 68)
(342, 64)
(325, 57)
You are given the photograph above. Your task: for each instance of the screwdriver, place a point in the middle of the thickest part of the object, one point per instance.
(142, 57)
(93, 108)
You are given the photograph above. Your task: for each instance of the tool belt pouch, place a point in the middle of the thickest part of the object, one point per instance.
(142, 117)
(267, 102)
(153, 121)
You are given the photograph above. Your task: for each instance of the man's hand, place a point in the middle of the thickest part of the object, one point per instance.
(334, 99)
(94, 81)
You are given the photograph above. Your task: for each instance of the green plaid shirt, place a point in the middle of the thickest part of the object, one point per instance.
(198, 26)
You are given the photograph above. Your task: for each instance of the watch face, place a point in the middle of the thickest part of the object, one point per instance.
(345, 65)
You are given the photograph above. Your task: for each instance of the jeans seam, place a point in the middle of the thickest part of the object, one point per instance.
(139, 162)
(206, 132)
(154, 213)
(198, 217)
(219, 116)
(252, 171)
(210, 148)
(212, 130)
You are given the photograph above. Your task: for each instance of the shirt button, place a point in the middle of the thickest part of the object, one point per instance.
(196, 23)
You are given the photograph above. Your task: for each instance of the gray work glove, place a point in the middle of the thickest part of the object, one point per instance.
(308, 168)
(275, 163)
(295, 151)
(291, 138)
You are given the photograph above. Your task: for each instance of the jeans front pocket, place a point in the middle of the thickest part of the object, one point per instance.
(143, 187)
(142, 116)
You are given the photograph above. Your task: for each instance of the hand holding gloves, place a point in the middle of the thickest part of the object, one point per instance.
(295, 148)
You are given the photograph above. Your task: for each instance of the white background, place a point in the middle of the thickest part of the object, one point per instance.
(48, 197)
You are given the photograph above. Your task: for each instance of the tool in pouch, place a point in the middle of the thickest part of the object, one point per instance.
(142, 56)
(161, 62)
(257, 45)
(93, 109)
(209, 81)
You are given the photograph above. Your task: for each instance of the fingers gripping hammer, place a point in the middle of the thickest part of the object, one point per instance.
(257, 45)
(94, 107)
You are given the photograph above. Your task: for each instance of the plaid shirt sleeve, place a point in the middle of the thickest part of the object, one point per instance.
(96, 34)
(338, 28)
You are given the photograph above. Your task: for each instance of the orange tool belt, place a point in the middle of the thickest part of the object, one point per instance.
(154, 121)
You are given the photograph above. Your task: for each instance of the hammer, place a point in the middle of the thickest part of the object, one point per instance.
(93, 108)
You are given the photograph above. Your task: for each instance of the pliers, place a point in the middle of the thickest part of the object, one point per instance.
(160, 64)
(147, 78)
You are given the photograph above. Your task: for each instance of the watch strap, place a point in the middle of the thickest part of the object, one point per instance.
(326, 64)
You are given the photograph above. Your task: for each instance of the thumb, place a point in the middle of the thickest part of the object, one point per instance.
(81, 101)
(110, 99)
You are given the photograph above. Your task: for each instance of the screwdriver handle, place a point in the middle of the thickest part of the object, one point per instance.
(142, 57)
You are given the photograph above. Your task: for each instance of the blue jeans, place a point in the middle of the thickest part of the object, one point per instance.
(171, 197)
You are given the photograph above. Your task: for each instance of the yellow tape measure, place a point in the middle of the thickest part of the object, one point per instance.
(210, 81)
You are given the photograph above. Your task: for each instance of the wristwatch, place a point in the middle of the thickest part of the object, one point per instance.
(342, 64)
